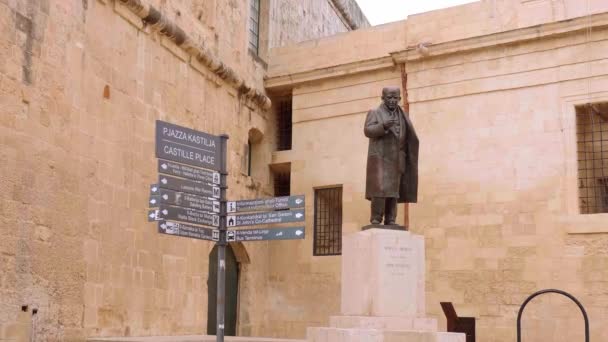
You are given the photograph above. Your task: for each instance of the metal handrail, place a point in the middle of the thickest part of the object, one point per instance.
(580, 306)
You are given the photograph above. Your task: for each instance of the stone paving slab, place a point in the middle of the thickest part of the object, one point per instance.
(186, 338)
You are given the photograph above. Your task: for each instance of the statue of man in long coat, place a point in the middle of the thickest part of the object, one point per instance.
(392, 158)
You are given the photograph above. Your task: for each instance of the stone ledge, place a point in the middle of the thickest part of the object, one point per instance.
(586, 224)
(356, 335)
(502, 38)
(186, 338)
(383, 323)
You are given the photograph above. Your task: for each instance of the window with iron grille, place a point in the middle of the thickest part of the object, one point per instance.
(284, 124)
(254, 26)
(592, 151)
(328, 222)
(282, 180)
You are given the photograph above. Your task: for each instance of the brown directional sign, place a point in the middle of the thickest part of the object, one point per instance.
(266, 204)
(153, 215)
(187, 230)
(184, 185)
(265, 234)
(185, 171)
(154, 201)
(186, 200)
(188, 215)
(254, 219)
(187, 146)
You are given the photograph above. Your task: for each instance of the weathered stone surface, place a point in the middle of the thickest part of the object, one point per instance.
(381, 273)
(81, 84)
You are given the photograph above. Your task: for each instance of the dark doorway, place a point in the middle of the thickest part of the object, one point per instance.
(232, 289)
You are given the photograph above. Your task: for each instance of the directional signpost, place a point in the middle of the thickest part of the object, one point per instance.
(189, 200)
(189, 216)
(265, 218)
(265, 204)
(269, 234)
(187, 230)
(186, 200)
(184, 185)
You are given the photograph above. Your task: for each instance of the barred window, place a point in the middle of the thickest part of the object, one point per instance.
(284, 124)
(254, 26)
(282, 180)
(592, 151)
(328, 222)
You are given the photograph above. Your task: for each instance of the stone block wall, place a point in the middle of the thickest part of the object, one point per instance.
(81, 88)
(81, 85)
(498, 201)
(329, 149)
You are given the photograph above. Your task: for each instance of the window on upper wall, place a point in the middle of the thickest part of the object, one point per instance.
(328, 222)
(282, 180)
(284, 124)
(254, 26)
(592, 151)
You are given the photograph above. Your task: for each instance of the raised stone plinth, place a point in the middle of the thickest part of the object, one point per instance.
(383, 323)
(373, 335)
(383, 274)
(382, 292)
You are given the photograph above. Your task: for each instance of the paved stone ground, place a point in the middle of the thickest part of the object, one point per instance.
(186, 338)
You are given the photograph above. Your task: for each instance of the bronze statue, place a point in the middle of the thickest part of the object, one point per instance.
(392, 158)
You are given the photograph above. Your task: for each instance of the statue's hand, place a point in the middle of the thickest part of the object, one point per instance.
(390, 123)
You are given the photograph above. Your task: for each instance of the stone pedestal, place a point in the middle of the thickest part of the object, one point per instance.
(382, 292)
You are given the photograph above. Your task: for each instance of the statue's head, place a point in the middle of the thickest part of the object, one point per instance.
(391, 97)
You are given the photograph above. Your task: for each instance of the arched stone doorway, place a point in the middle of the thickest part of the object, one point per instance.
(236, 254)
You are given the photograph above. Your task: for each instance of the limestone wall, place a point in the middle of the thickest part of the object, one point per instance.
(81, 87)
(328, 141)
(297, 21)
(499, 185)
(498, 164)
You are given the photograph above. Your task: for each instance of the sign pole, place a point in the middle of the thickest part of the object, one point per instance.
(221, 244)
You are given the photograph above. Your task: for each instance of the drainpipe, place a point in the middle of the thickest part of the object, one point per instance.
(406, 109)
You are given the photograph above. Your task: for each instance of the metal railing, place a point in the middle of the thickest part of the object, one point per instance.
(580, 306)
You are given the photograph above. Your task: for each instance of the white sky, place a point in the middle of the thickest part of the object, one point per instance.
(385, 11)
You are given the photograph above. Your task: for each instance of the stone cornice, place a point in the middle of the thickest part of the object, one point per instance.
(344, 11)
(287, 81)
(194, 51)
(503, 38)
(414, 54)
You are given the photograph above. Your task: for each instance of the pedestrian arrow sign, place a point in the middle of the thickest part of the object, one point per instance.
(186, 200)
(188, 215)
(254, 219)
(186, 230)
(265, 234)
(192, 187)
(266, 204)
(189, 172)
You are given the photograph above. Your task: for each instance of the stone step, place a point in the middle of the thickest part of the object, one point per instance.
(374, 335)
(383, 323)
(187, 338)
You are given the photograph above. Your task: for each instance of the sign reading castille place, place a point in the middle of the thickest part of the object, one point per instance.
(266, 204)
(191, 194)
(187, 146)
(265, 218)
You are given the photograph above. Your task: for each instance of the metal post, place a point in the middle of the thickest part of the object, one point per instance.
(221, 244)
(534, 295)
